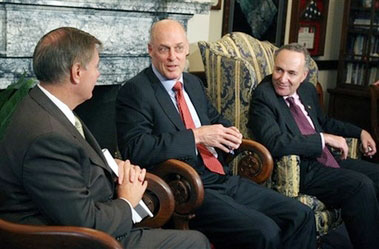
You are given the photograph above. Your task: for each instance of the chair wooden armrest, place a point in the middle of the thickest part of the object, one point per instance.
(187, 188)
(160, 200)
(158, 197)
(256, 162)
(18, 236)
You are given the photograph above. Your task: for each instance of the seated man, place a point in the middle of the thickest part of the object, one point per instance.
(285, 116)
(163, 113)
(53, 172)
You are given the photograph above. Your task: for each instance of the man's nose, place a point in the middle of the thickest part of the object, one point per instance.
(283, 77)
(171, 54)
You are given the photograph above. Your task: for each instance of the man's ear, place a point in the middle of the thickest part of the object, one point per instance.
(305, 75)
(75, 73)
(149, 49)
(187, 48)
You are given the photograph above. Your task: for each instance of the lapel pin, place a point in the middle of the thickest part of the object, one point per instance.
(309, 107)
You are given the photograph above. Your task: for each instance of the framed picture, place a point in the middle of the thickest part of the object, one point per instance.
(307, 36)
(235, 19)
(308, 24)
(216, 5)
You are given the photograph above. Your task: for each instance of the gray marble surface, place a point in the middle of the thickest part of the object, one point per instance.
(122, 25)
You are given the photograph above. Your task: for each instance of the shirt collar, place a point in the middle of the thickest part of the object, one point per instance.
(295, 96)
(167, 84)
(62, 106)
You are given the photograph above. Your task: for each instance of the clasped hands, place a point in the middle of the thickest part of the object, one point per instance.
(131, 182)
(225, 138)
(368, 146)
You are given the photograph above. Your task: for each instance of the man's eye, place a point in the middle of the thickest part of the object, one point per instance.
(162, 50)
(179, 49)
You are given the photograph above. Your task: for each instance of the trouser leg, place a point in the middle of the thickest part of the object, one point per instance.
(353, 192)
(371, 170)
(242, 214)
(165, 239)
(296, 220)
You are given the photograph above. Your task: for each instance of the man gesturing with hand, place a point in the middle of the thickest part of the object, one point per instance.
(164, 113)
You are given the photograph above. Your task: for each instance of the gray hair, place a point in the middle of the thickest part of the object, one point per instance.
(59, 49)
(297, 48)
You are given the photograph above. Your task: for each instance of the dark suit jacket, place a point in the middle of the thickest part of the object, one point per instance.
(149, 127)
(51, 175)
(272, 124)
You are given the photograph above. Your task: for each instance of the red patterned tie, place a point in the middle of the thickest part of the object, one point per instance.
(305, 128)
(209, 159)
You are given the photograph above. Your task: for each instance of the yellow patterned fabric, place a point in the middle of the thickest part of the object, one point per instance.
(286, 176)
(234, 66)
(326, 219)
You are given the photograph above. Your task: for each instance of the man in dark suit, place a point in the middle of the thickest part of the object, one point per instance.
(274, 119)
(53, 172)
(158, 120)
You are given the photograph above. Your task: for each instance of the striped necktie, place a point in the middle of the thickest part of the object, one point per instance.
(79, 127)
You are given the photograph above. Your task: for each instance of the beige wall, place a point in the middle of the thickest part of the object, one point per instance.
(203, 28)
(328, 78)
(208, 27)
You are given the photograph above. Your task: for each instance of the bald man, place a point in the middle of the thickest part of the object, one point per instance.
(164, 113)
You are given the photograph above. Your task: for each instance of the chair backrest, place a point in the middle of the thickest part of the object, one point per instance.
(17, 236)
(234, 66)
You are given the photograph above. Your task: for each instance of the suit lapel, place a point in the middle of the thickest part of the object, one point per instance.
(91, 146)
(165, 100)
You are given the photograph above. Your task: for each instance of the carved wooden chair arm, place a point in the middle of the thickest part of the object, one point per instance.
(256, 162)
(185, 182)
(18, 236)
(160, 200)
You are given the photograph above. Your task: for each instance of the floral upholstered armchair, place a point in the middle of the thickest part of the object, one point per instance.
(234, 66)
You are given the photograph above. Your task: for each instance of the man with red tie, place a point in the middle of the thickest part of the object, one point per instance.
(286, 117)
(164, 113)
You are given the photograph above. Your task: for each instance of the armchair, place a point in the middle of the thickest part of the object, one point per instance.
(252, 161)
(17, 236)
(158, 198)
(234, 66)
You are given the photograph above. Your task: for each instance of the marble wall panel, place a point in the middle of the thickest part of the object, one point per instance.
(122, 25)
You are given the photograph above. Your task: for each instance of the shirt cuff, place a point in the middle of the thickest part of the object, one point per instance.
(322, 140)
(135, 216)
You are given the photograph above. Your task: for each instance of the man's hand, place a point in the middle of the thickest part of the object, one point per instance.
(368, 144)
(337, 142)
(218, 136)
(131, 182)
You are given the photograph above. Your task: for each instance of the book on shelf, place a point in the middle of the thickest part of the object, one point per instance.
(361, 21)
(349, 72)
(374, 74)
(358, 46)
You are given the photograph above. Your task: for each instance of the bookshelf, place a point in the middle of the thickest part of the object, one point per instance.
(358, 64)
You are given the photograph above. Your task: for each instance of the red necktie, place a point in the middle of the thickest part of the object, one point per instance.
(305, 128)
(210, 161)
